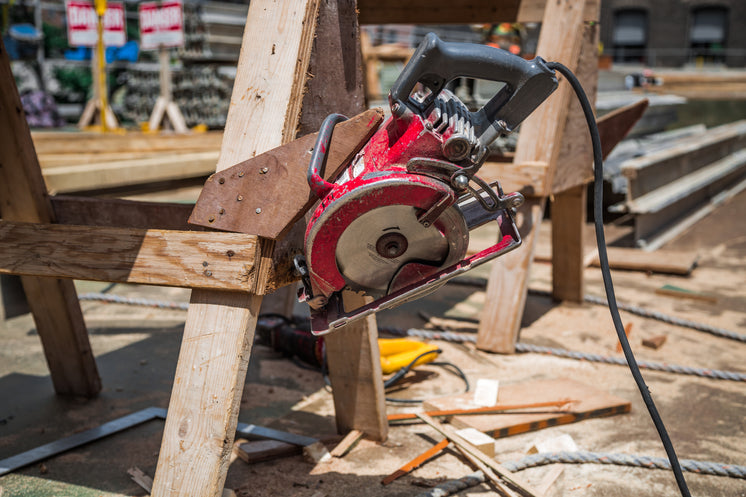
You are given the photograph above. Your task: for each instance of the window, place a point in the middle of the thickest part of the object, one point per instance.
(707, 34)
(630, 35)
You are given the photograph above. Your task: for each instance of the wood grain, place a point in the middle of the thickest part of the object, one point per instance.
(456, 11)
(219, 331)
(568, 223)
(129, 255)
(540, 140)
(53, 302)
(355, 373)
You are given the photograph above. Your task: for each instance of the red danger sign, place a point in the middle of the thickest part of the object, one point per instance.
(161, 25)
(82, 24)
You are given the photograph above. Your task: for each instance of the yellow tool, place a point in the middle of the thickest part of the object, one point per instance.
(397, 353)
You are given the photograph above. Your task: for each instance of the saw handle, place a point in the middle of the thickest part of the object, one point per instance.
(318, 184)
(435, 62)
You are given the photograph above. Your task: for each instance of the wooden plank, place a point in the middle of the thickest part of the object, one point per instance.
(533, 10)
(129, 255)
(497, 408)
(114, 212)
(266, 450)
(660, 261)
(416, 462)
(63, 179)
(456, 11)
(53, 302)
(540, 140)
(568, 223)
(49, 143)
(219, 331)
(684, 293)
(429, 12)
(354, 364)
(513, 481)
(575, 161)
(588, 402)
(347, 444)
(528, 177)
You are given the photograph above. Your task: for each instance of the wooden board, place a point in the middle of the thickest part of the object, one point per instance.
(219, 331)
(113, 212)
(53, 302)
(568, 223)
(82, 177)
(224, 261)
(354, 360)
(455, 11)
(575, 160)
(540, 140)
(591, 403)
(78, 143)
(634, 259)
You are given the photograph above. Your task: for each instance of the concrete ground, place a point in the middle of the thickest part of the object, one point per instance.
(136, 350)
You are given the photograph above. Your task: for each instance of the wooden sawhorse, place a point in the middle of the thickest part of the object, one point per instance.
(276, 59)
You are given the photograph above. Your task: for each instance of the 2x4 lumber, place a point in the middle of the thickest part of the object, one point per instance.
(575, 161)
(513, 481)
(456, 11)
(53, 302)
(76, 178)
(568, 223)
(129, 255)
(114, 212)
(65, 142)
(528, 177)
(355, 372)
(540, 140)
(219, 330)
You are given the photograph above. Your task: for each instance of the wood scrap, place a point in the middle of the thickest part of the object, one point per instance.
(490, 475)
(141, 478)
(416, 462)
(655, 342)
(675, 291)
(633, 259)
(316, 453)
(627, 332)
(348, 443)
(266, 450)
(589, 402)
(506, 477)
(561, 405)
(481, 441)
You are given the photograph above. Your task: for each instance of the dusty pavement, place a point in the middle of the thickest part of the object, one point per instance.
(136, 350)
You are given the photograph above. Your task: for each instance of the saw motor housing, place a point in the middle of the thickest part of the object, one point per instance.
(395, 224)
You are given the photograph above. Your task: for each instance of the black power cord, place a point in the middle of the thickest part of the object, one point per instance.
(606, 272)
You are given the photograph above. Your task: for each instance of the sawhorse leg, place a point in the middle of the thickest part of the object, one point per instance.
(53, 302)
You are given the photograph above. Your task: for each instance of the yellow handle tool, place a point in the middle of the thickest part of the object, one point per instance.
(397, 353)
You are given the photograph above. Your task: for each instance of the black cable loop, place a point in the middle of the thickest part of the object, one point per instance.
(606, 272)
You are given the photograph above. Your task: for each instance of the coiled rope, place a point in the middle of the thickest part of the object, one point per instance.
(715, 374)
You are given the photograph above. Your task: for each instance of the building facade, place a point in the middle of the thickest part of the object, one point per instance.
(673, 33)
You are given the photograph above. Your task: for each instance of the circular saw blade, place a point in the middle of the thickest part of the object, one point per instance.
(362, 255)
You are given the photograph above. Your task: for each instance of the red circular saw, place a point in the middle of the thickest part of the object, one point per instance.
(395, 225)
